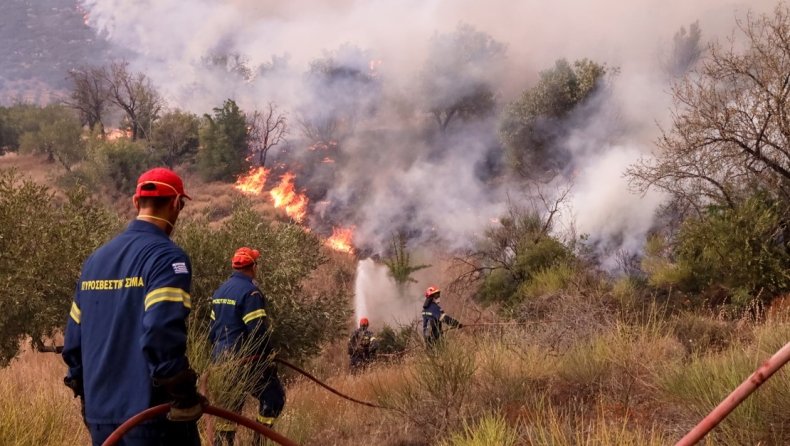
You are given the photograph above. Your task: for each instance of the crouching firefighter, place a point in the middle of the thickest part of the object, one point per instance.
(239, 327)
(362, 347)
(433, 317)
(126, 335)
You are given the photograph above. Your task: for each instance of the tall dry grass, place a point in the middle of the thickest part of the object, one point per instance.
(631, 382)
(36, 408)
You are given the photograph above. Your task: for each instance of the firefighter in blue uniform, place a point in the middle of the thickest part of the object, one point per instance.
(126, 335)
(239, 326)
(433, 317)
(362, 346)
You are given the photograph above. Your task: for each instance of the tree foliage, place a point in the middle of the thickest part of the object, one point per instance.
(531, 126)
(58, 135)
(89, 95)
(175, 138)
(267, 128)
(111, 167)
(399, 263)
(42, 247)
(686, 50)
(224, 141)
(343, 87)
(457, 80)
(725, 256)
(730, 133)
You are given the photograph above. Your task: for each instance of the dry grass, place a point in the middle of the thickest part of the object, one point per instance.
(33, 167)
(37, 409)
(628, 384)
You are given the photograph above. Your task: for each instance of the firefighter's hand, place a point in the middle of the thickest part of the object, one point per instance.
(187, 409)
(187, 403)
(75, 384)
(460, 325)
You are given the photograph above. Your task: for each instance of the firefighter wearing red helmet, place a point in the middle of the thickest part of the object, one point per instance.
(362, 347)
(126, 335)
(239, 328)
(433, 317)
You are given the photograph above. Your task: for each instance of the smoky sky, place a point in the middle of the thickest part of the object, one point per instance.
(393, 169)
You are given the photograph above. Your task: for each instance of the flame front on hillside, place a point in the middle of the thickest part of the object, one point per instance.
(285, 196)
(341, 239)
(294, 203)
(253, 183)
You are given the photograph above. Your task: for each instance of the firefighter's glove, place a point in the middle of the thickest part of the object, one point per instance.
(187, 403)
(75, 384)
(460, 325)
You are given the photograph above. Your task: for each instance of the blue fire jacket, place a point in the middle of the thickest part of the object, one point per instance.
(432, 318)
(238, 316)
(128, 322)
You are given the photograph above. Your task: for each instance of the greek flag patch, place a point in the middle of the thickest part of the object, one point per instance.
(180, 268)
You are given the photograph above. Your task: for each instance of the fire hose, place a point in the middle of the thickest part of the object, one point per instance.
(162, 409)
(204, 387)
(766, 370)
(211, 410)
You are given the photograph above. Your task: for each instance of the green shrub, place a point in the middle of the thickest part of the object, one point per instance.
(518, 253)
(728, 256)
(393, 340)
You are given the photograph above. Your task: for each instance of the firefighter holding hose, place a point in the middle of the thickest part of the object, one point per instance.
(126, 335)
(362, 347)
(433, 317)
(238, 327)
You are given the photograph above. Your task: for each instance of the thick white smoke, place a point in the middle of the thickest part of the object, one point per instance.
(391, 174)
(378, 299)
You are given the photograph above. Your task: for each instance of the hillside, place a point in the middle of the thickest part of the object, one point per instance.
(41, 41)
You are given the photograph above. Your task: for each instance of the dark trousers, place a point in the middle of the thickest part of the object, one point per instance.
(160, 433)
(270, 394)
(359, 364)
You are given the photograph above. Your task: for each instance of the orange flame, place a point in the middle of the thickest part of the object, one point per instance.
(115, 134)
(341, 239)
(328, 160)
(285, 196)
(252, 184)
(323, 145)
(85, 18)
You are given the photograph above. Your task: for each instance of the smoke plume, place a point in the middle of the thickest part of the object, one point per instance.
(393, 170)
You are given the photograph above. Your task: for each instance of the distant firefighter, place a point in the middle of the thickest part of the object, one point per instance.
(362, 347)
(433, 317)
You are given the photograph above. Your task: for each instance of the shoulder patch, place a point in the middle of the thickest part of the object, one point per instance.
(180, 268)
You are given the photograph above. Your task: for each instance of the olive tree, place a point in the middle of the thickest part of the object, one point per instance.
(42, 247)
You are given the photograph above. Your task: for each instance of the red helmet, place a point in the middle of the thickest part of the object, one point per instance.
(431, 291)
(364, 321)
